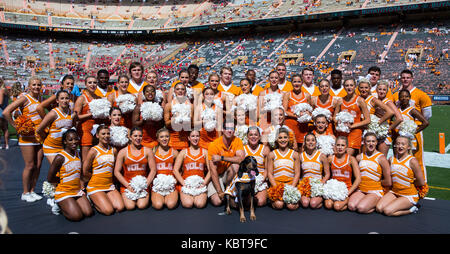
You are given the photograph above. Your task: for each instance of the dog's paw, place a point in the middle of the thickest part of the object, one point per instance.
(242, 219)
(228, 211)
(252, 217)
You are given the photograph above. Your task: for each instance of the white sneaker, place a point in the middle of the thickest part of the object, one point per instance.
(414, 209)
(27, 197)
(35, 196)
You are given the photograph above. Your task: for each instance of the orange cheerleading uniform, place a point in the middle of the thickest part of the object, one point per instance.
(258, 154)
(368, 101)
(29, 110)
(53, 142)
(69, 178)
(164, 163)
(127, 118)
(149, 129)
(371, 173)
(84, 130)
(355, 135)
(311, 165)
(102, 171)
(329, 106)
(207, 137)
(179, 139)
(403, 179)
(193, 165)
(283, 166)
(134, 166)
(342, 171)
(299, 129)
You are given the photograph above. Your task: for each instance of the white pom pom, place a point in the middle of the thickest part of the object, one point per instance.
(260, 183)
(272, 101)
(209, 119)
(139, 185)
(119, 136)
(325, 143)
(381, 131)
(151, 111)
(241, 132)
(247, 102)
(181, 113)
(322, 111)
(335, 190)
(126, 102)
(316, 187)
(291, 194)
(164, 184)
(344, 118)
(408, 129)
(100, 108)
(193, 185)
(48, 189)
(159, 97)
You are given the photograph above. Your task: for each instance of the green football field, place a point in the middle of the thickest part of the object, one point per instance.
(438, 177)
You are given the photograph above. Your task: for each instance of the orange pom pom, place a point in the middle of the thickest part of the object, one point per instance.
(25, 127)
(276, 192)
(423, 190)
(304, 187)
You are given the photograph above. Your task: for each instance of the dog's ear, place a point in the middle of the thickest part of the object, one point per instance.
(241, 170)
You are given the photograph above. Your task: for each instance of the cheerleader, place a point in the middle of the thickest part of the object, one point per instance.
(183, 77)
(406, 175)
(122, 85)
(374, 105)
(313, 164)
(259, 152)
(269, 134)
(192, 161)
(375, 174)
(30, 147)
(344, 168)
(356, 106)
(325, 101)
(67, 84)
(84, 117)
(56, 120)
(179, 131)
(263, 109)
(290, 99)
(283, 167)
(208, 131)
(149, 126)
(98, 168)
(164, 159)
(245, 100)
(325, 137)
(64, 172)
(135, 160)
(214, 82)
(119, 133)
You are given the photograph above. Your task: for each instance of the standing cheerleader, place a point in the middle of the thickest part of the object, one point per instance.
(152, 124)
(84, 115)
(135, 160)
(123, 100)
(98, 173)
(164, 159)
(67, 84)
(31, 148)
(208, 117)
(375, 174)
(119, 133)
(259, 152)
(406, 175)
(290, 99)
(177, 117)
(283, 167)
(356, 106)
(248, 102)
(57, 119)
(325, 101)
(192, 161)
(344, 168)
(65, 173)
(269, 99)
(313, 164)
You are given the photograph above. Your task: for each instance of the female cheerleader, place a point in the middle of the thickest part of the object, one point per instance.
(219, 96)
(31, 148)
(344, 168)
(122, 84)
(313, 164)
(98, 168)
(4, 101)
(164, 159)
(119, 133)
(406, 175)
(269, 134)
(283, 166)
(189, 162)
(375, 174)
(183, 77)
(244, 99)
(356, 106)
(84, 117)
(135, 160)
(260, 152)
(67, 84)
(325, 100)
(212, 132)
(290, 99)
(149, 127)
(265, 114)
(64, 172)
(382, 90)
(56, 120)
(179, 131)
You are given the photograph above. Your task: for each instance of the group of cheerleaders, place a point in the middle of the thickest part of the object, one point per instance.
(100, 175)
